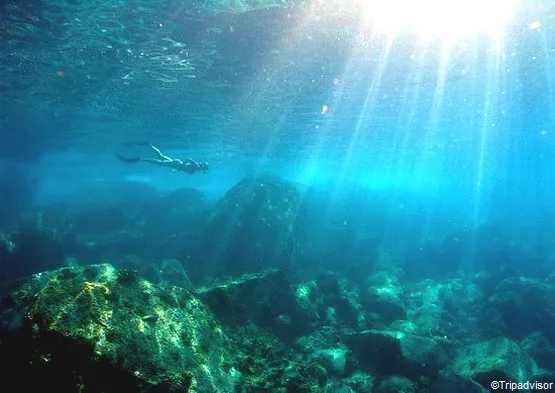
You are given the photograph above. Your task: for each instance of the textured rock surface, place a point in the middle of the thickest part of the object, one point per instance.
(68, 326)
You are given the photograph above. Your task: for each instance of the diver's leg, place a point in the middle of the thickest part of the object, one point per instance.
(159, 153)
(154, 161)
(191, 161)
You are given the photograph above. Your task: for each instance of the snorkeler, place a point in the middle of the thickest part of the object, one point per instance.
(188, 166)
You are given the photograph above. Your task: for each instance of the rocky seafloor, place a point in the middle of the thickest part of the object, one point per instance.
(195, 308)
(98, 329)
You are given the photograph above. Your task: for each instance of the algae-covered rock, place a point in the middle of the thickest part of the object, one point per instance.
(391, 353)
(33, 246)
(538, 346)
(251, 228)
(517, 299)
(383, 299)
(329, 300)
(360, 382)
(265, 299)
(396, 384)
(454, 383)
(97, 329)
(500, 359)
(171, 272)
(268, 365)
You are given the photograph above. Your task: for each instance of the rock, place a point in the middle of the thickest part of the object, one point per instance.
(499, 359)
(360, 382)
(128, 219)
(383, 299)
(334, 360)
(171, 272)
(453, 310)
(251, 228)
(538, 347)
(328, 300)
(94, 328)
(341, 301)
(265, 299)
(20, 187)
(33, 247)
(111, 245)
(395, 353)
(526, 306)
(396, 384)
(453, 383)
(338, 387)
(268, 365)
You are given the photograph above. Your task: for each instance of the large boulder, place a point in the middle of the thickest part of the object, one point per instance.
(387, 353)
(500, 359)
(251, 228)
(133, 220)
(33, 246)
(268, 365)
(453, 310)
(454, 383)
(266, 299)
(95, 329)
(328, 300)
(538, 346)
(383, 299)
(525, 306)
(19, 184)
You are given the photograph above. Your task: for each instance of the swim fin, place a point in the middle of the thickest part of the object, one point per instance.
(127, 159)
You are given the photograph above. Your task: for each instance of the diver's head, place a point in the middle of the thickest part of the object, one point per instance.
(204, 166)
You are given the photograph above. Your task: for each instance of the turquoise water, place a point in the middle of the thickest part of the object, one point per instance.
(378, 214)
(452, 129)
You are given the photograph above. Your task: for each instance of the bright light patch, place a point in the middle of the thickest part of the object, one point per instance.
(444, 18)
(534, 25)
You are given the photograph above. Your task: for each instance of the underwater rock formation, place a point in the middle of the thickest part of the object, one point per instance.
(500, 359)
(515, 297)
(540, 349)
(32, 247)
(18, 185)
(266, 299)
(251, 228)
(132, 220)
(399, 353)
(383, 299)
(328, 300)
(268, 365)
(171, 272)
(95, 329)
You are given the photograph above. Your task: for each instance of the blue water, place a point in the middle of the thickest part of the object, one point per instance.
(458, 133)
(334, 148)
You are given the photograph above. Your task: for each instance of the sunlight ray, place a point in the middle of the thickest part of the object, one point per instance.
(429, 151)
(411, 103)
(548, 56)
(492, 90)
(366, 110)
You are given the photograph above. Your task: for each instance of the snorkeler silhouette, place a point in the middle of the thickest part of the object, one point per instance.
(188, 166)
